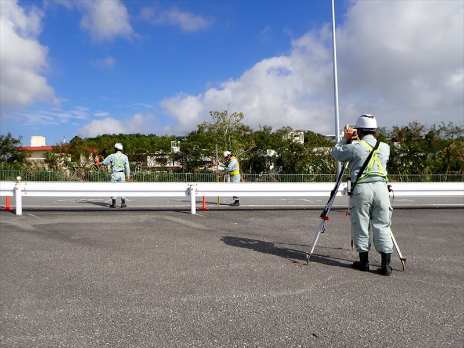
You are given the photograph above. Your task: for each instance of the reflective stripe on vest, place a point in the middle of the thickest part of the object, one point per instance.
(119, 163)
(374, 159)
(235, 172)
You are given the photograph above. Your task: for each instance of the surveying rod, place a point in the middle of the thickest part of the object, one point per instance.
(337, 116)
(217, 170)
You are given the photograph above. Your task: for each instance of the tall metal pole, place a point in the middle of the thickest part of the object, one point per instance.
(217, 169)
(337, 118)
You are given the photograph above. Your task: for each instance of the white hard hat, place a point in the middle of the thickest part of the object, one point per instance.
(226, 153)
(118, 146)
(366, 122)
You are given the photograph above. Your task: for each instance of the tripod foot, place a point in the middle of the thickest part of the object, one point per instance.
(403, 262)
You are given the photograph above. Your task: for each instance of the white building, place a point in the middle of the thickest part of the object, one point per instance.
(296, 137)
(37, 149)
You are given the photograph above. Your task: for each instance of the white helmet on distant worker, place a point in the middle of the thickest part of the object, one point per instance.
(366, 122)
(226, 153)
(118, 146)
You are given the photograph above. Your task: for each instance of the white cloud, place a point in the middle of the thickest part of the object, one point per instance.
(404, 60)
(105, 63)
(105, 19)
(80, 112)
(138, 123)
(51, 117)
(399, 60)
(185, 20)
(266, 34)
(101, 114)
(51, 3)
(289, 90)
(99, 127)
(23, 60)
(142, 105)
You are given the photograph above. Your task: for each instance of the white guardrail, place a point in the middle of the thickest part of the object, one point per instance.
(21, 189)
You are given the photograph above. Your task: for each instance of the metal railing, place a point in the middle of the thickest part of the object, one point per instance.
(135, 189)
(153, 176)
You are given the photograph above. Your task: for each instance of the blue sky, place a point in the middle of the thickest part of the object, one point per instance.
(89, 67)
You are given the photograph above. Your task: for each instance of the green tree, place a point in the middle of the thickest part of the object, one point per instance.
(446, 144)
(58, 158)
(416, 149)
(318, 147)
(228, 132)
(259, 159)
(196, 148)
(11, 151)
(409, 150)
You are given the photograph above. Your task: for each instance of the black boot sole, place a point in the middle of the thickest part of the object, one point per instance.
(385, 271)
(361, 266)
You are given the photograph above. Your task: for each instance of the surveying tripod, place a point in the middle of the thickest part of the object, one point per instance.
(325, 217)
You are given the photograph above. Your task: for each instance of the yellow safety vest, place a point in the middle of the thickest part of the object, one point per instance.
(235, 172)
(374, 159)
(119, 163)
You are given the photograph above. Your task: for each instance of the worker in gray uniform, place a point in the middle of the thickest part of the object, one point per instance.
(120, 169)
(233, 169)
(370, 201)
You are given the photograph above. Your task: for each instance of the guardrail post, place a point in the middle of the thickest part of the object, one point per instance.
(18, 196)
(192, 191)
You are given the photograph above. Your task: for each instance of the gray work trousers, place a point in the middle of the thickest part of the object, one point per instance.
(370, 207)
(235, 178)
(118, 177)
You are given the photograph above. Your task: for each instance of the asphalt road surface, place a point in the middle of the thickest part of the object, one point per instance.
(183, 203)
(225, 277)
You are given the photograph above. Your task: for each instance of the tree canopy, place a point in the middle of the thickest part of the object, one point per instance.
(11, 151)
(415, 148)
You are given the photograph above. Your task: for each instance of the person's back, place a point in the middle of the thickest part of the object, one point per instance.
(370, 201)
(120, 168)
(357, 152)
(118, 162)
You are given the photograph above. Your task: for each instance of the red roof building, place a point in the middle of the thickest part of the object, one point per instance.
(37, 149)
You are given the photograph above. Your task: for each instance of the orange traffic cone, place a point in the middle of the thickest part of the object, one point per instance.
(7, 206)
(204, 204)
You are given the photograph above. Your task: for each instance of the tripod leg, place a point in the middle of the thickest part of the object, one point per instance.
(402, 259)
(325, 213)
(316, 237)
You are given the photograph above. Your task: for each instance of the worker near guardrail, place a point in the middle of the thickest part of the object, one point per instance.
(233, 169)
(120, 169)
(370, 201)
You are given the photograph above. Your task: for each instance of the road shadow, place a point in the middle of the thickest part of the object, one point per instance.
(293, 255)
(100, 204)
(330, 260)
(265, 247)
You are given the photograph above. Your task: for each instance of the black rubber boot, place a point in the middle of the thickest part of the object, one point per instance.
(235, 204)
(363, 263)
(385, 268)
(113, 204)
(123, 203)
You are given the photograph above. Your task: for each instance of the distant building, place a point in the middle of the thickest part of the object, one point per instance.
(296, 137)
(175, 146)
(37, 149)
(165, 161)
(331, 137)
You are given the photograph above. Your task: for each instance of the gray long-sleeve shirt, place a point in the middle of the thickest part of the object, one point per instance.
(118, 162)
(232, 166)
(356, 153)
